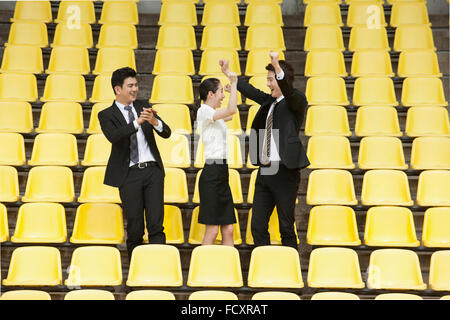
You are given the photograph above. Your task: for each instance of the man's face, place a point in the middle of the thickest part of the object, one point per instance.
(272, 83)
(128, 92)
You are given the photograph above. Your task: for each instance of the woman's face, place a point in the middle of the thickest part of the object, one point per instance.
(215, 98)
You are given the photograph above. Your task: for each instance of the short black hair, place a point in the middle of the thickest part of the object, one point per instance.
(287, 69)
(118, 77)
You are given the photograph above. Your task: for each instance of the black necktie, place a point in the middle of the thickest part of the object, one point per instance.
(134, 152)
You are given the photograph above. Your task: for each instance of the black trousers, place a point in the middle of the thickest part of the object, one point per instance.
(143, 189)
(275, 189)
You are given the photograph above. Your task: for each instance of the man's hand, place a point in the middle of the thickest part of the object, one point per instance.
(148, 114)
(274, 60)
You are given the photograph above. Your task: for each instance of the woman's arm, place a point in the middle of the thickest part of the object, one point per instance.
(232, 102)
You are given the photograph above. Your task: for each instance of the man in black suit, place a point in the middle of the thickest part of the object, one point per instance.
(135, 165)
(275, 147)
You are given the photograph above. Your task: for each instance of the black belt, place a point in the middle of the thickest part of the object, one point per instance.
(142, 165)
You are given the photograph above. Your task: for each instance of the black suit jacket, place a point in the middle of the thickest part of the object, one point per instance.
(287, 118)
(118, 132)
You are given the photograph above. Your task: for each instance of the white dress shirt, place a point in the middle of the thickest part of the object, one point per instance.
(213, 133)
(274, 155)
(144, 150)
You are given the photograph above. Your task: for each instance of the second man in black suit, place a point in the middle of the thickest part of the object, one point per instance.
(135, 165)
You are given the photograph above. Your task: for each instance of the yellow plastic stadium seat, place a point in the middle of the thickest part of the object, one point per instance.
(173, 225)
(326, 91)
(40, 223)
(367, 14)
(329, 152)
(4, 229)
(95, 266)
(413, 37)
(117, 35)
(49, 184)
(175, 151)
(325, 63)
(25, 295)
(18, 87)
(64, 87)
(22, 59)
(66, 35)
(275, 267)
(220, 36)
(410, 12)
(111, 59)
(377, 121)
(102, 91)
(98, 223)
(150, 295)
(34, 266)
(175, 186)
(89, 294)
(371, 63)
(215, 266)
(447, 297)
(234, 153)
(434, 188)
(83, 11)
(398, 296)
(390, 227)
(172, 89)
(28, 33)
(257, 1)
(9, 184)
(418, 63)
(62, 117)
(370, 91)
(97, 151)
(381, 153)
(144, 272)
(331, 186)
(391, 2)
(332, 226)
(263, 12)
(197, 230)
(209, 63)
(235, 186)
(174, 61)
(213, 295)
(394, 269)
(435, 228)
(182, 12)
(323, 13)
(69, 60)
(427, 121)
(334, 296)
(93, 189)
(221, 12)
(440, 271)
(176, 36)
(176, 116)
(386, 187)
(275, 295)
(94, 124)
(334, 268)
(234, 125)
(12, 152)
(119, 12)
(423, 92)
(250, 117)
(264, 37)
(54, 149)
(257, 60)
(16, 116)
(362, 38)
(430, 153)
(274, 228)
(327, 120)
(324, 37)
(37, 11)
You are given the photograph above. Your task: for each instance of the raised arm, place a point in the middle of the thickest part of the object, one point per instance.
(231, 109)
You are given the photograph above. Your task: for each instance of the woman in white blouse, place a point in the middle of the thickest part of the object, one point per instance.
(216, 202)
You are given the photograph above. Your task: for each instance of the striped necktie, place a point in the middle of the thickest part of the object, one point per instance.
(134, 152)
(268, 136)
